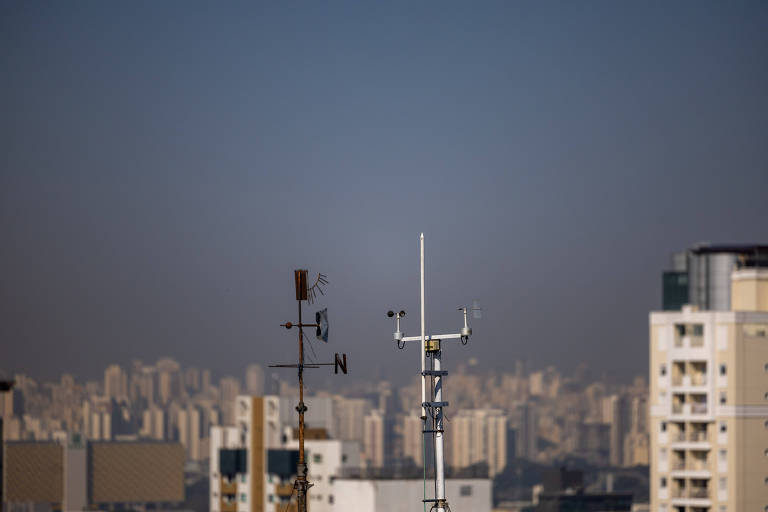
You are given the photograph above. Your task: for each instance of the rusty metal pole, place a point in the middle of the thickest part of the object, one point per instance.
(301, 471)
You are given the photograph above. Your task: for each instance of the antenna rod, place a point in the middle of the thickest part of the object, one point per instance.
(423, 377)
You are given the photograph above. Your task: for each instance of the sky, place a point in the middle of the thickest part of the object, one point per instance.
(164, 166)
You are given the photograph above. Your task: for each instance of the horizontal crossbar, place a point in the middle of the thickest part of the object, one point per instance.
(433, 337)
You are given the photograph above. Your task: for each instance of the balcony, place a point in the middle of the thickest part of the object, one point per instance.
(697, 465)
(228, 488)
(695, 493)
(698, 437)
(699, 408)
(699, 493)
(698, 379)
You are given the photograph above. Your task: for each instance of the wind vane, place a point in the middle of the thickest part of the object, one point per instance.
(309, 294)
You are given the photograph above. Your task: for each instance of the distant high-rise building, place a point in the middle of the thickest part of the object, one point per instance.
(479, 435)
(526, 443)
(617, 414)
(350, 413)
(229, 388)
(709, 392)
(205, 381)
(192, 380)
(168, 379)
(189, 431)
(254, 380)
(153, 424)
(373, 438)
(115, 382)
(413, 442)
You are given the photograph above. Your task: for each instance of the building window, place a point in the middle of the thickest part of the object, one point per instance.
(766, 452)
(330, 499)
(663, 426)
(243, 497)
(723, 427)
(663, 370)
(723, 369)
(723, 455)
(698, 329)
(723, 397)
(317, 458)
(465, 490)
(663, 482)
(242, 478)
(723, 483)
(766, 367)
(271, 498)
(766, 424)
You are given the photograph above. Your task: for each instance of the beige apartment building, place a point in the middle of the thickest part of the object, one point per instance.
(709, 403)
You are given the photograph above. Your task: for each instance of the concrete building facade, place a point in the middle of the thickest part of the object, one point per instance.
(709, 403)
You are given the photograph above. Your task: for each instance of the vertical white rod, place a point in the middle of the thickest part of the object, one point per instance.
(439, 468)
(423, 377)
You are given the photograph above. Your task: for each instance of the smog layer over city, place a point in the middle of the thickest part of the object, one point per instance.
(178, 180)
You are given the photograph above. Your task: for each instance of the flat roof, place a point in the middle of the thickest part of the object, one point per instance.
(730, 248)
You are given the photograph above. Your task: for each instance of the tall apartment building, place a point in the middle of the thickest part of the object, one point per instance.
(239, 456)
(115, 382)
(373, 439)
(413, 443)
(479, 435)
(253, 463)
(709, 400)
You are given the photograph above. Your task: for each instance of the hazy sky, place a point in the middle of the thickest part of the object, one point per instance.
(166, 165)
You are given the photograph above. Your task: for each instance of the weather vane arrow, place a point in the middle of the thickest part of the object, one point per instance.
(304, 292)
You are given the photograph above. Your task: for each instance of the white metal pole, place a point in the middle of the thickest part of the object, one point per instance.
(439, 468)
(423, 377)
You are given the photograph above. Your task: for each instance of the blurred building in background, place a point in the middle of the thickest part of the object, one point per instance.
(72, 474)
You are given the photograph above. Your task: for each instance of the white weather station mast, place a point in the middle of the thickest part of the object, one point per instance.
(432, 400)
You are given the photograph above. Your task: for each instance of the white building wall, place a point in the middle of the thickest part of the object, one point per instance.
(356, 495)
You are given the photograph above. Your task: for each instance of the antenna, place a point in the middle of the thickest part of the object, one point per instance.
(308, 293)
(432, 423)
